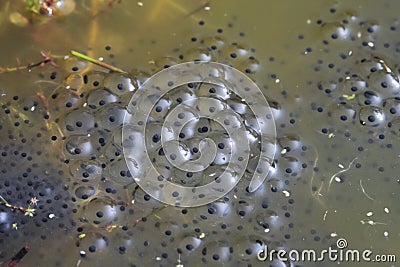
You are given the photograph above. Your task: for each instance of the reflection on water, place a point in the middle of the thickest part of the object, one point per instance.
(331, 77)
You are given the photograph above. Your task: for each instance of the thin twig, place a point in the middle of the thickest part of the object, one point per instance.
(42, 63)
(17, 258)
(365, 193)
(344, 170)
(28, 211)
(97, 62)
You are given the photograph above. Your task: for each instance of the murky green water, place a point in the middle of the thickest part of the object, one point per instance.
(330, 72)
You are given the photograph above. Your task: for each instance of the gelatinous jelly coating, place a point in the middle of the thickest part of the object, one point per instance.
(332, 87)
(206, 115)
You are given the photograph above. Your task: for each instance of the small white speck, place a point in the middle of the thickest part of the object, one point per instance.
(82, 252)
(286, 193)
(202, 235)
(371, 44)
(334, 234)
(350, 53)
(158, 258)
(283, 151)
(51, 216)
(100, 58)
(371, 222)
(207, 8)
(386, 210)
(66, 57)
(133, 201)
(385, 66)
(369, 214)
(385, 234)
(140, 3)
(277, 81)
(84, 104)
(179, 261)
(266, 230)
(308, 21)
(340, 166)
(337, 179)
(33, 108)
(359, 34)
(68, 87)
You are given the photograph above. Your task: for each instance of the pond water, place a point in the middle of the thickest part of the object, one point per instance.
(330, 73)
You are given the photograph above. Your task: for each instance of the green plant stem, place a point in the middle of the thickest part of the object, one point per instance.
(97, 62)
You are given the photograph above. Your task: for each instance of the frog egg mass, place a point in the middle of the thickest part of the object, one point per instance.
(102, 166)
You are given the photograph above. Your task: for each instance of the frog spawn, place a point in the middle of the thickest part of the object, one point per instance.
(109, 225)
(357, 84)
(31, 182)
(85, 114)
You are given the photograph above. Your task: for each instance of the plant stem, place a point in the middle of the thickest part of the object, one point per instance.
(17, 257)
(97, 62)
(4, 201)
